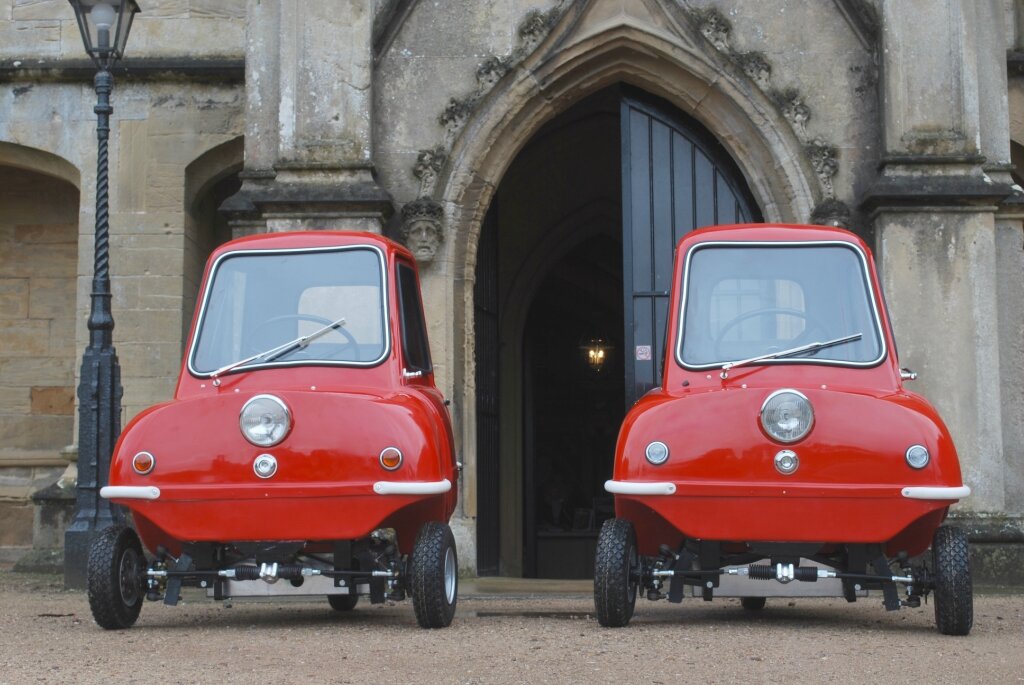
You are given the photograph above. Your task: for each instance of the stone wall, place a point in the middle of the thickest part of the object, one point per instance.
(38, 252)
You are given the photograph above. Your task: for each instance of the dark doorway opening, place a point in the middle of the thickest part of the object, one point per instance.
(578, 245)
(572, 407)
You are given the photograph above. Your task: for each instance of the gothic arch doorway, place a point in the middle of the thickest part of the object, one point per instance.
(577, 246)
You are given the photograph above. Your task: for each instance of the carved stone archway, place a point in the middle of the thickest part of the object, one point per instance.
(584, 53)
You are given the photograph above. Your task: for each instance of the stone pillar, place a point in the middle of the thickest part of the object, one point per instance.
(308, 138)
(934, 206)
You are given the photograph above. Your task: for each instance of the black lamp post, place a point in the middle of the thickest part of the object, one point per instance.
(104, 25)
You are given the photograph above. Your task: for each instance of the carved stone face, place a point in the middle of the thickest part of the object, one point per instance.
(423, 237)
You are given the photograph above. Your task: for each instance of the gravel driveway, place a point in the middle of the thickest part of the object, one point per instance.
(512, 634)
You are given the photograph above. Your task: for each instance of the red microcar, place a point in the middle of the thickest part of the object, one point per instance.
(781, 455)
(306, 450)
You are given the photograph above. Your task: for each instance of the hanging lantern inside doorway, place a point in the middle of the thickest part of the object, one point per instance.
(596, 351)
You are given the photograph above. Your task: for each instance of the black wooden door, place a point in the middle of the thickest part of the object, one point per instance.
(675, 177)
(485, 297)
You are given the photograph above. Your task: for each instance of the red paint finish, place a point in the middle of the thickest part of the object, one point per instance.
(848, 488)
(342, 418)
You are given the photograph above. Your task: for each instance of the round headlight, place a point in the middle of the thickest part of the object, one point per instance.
(787, 416)
(265, 420)
(917, 456)
(657, 452)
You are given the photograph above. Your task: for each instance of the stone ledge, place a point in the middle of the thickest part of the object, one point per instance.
(925, 190)
(184, 69)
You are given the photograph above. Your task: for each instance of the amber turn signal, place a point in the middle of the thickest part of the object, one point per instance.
(143, 463)
(391, 458)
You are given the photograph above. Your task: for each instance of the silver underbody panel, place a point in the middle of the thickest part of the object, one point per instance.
(314, 585)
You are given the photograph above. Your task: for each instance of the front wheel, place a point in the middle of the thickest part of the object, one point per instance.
(434, 576)
(954, 593)
(114, 577)
(616, 571)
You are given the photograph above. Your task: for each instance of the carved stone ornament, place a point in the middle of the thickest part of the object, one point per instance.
(756, 66)
(423, 228)
(793, 107)
(532, 31)
(715, 27)
(428, 166)
(824, 160)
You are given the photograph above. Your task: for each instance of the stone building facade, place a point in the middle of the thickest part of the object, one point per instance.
(490, 135)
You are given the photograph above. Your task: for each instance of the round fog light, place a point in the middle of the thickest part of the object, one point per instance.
(786, 462)
(265, 466)
(143, 463)
(657, 453)
(391, 458)
(917, 456)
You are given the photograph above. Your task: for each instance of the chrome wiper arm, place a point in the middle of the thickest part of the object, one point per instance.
(809, 347)
(274, 352)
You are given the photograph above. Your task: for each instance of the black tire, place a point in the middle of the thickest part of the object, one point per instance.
(434, 576)
(954, 591)
(752, 603)
(114, 577)
(343, 602)
(616, 571)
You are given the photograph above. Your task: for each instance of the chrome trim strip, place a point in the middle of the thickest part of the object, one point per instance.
(391, 487)
(385, 302)
(865, 272)
(936, 492)
(622, 487)
(149, 492)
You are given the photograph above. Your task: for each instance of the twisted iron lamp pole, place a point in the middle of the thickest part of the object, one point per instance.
(99, 388)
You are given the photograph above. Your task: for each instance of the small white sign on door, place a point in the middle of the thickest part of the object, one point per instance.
(643, 353)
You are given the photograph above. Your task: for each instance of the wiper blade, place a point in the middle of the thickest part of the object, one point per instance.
(279, 351)
(809, 347)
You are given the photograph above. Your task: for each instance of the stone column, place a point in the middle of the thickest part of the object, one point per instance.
(933, 206)
(308, 138)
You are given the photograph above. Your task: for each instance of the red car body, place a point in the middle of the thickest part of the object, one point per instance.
(328, 463)
(719, 492)
(306, 440)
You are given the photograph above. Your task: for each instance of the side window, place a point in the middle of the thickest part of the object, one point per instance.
(414, 331)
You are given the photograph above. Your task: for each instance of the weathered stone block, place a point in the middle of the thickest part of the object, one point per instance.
(37, 38)
(14, 400)
(14, 298)
(34, 432)
(17, 528)
(53, 400)
(228, 9)
(52, 298)
(24, 10)
(30, 371)
(25, 338)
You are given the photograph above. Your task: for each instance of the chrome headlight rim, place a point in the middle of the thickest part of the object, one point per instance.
(778, 438)
(287, 422)
(917, 463)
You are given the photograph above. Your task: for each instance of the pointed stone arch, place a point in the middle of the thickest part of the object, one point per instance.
(594, 45)
(209, 179)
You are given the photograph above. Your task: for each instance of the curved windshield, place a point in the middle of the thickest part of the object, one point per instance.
(319, 306)
(778, 303)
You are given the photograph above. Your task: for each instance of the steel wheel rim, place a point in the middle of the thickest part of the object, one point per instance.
(450, 575)
(128, 577)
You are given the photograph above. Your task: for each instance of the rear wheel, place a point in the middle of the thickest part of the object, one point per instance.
(954, 593)
(114, 577)
(616, 573)
(434, 576)
(343, 602)
(752, 603)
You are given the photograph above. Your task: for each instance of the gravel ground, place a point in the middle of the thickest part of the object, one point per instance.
(47, 636)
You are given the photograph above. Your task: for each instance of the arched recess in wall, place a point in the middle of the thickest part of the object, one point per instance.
(210, 179)
(39, 211)
(563, 71)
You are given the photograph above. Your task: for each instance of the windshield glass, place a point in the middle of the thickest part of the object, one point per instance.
(742, 301)
(259, 301)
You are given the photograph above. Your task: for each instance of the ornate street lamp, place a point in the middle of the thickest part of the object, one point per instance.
(104, 25)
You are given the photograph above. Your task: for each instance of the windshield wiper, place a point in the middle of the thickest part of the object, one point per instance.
(809, 347)
(273, 353)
